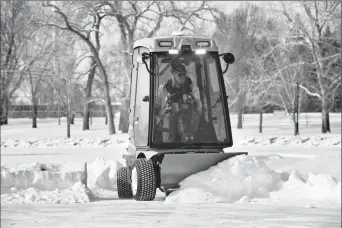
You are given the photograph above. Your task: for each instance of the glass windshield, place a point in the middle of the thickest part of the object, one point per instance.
(188, 100)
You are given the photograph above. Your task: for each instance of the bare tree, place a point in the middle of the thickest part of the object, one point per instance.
(84, 35)
(35, 78)
(236, 33)
(15, 29)
(310, 27)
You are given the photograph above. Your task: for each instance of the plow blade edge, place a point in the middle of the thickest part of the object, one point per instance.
(176, 167)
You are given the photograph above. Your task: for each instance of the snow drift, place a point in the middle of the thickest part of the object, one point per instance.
(78, 193)
(229, 181)
(241, 179)
(51, 183)
(244, 179)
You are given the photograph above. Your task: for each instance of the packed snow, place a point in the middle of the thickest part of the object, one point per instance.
(244, 179)
(229, 181)
(300, 173)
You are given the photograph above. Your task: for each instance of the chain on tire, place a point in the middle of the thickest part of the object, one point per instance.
(146, 180)
(124, 185)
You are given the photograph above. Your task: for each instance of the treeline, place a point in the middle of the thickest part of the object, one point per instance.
(73, 53)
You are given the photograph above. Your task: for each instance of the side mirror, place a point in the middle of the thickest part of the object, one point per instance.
(141, 58)
(228, 58)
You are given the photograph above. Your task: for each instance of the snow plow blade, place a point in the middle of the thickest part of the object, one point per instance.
(176, 167)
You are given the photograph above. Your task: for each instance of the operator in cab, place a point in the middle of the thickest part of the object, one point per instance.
(177, 89)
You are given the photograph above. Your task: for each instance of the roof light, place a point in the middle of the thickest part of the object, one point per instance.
(200, 51)
(202, 43)
(173, 51)
(165, 43)
(178, 33)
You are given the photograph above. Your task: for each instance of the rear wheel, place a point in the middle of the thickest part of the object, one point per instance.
(143, 180)
(123, 183)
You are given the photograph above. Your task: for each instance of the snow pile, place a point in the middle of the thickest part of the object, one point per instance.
(62, 142)
(324, 165)
(51, 183)
(229, 181)
(316, 191)
(78, 193)
(320, 140)
(244, 179)
(40, 176)
(102, 174)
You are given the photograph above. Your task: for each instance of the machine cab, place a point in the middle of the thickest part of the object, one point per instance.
(178, 99)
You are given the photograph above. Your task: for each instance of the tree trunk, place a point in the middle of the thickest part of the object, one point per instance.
(108, 105)
(239, 125)
(325, 117)
(124, 109)
(72, 118)
(86, 116)
(296, 132)
(240, 105)
(295, 122)
(4, 111)
(328, 122)
(296, 111)
(87, 95)
(68, 124)
(90, 114)
(34, 113)
(59, 114)
(260, 121)
(124, 115)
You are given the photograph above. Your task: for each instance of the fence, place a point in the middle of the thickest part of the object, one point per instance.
(53, 111)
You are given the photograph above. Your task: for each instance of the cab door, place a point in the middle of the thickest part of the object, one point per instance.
(141, 114)
(132, 95)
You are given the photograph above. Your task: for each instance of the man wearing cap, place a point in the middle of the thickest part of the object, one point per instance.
(178, 85)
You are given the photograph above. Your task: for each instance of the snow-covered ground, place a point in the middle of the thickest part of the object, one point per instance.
(285, 181)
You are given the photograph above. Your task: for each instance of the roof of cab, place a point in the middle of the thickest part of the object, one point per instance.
(153, 44)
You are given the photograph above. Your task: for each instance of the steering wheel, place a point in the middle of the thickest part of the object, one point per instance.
(190, 99)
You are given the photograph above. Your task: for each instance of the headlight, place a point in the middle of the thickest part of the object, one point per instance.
(200, 51)
(173, 51)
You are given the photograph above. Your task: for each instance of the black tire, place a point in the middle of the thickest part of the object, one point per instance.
(146, 180)
(123, 183)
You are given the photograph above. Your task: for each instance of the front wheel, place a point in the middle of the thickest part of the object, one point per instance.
(143, 180)
(123, 182)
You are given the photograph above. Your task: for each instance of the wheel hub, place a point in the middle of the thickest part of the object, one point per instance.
(134, 181)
